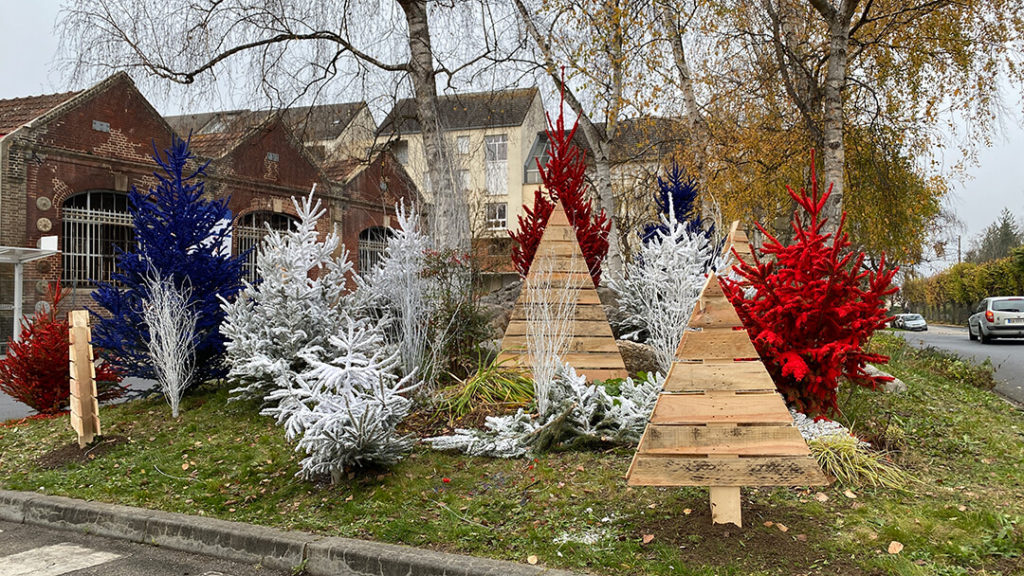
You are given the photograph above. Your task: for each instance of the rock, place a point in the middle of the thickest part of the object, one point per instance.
(638, 357)
(610, 301)
(497, 307)
(896, 386)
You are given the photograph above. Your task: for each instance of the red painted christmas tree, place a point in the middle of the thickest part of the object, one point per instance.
(35, 371)
(813, 308)
(564, 180)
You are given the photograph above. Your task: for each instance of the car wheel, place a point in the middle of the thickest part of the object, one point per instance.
(985, 338)
(970, 333)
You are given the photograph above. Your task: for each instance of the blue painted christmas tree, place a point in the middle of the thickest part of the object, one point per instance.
(676, 198)
(185, 237)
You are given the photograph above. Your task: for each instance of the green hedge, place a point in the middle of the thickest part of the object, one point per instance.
(949, 295)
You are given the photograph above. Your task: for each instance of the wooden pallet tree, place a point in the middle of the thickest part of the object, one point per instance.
(85, 417)
(592, 349)
(719, 422)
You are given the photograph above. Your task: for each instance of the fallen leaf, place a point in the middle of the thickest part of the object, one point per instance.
(821, 497)
(687, 511)
(532, 559)
(652, 505)
(648, 538)
(769, 524)
(962, 508)
(895, 547)
(801, 537)
(184, 466)
(849, 494)
(349, 499)
(782, 527)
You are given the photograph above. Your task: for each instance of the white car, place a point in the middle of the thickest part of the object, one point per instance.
(913, 322)
(997, 317)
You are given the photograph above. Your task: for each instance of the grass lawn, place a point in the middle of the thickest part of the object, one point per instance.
(964, 515)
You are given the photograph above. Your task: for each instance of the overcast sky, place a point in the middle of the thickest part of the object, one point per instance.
(27, 52)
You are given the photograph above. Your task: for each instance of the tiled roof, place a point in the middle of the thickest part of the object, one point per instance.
(16, 112)
(339, 170)
(308, 123)
(637, 139)
(464, 111)
(214, 145)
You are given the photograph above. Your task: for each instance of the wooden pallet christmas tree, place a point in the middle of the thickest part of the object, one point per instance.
(719, 422)
(592, 350)
(85, 417)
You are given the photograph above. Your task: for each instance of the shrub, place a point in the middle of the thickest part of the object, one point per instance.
(851, 463)
(494, 382)
(811, 307)
(35, 371)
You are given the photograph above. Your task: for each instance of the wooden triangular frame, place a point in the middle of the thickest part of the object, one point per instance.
(592, 350)
(719, 422)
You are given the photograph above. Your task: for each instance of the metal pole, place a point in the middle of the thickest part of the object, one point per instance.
(19, 270)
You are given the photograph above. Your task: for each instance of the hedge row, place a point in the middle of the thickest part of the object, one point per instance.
(966, 284)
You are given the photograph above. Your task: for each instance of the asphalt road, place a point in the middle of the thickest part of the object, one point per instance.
(31, 550)
(1007, 355)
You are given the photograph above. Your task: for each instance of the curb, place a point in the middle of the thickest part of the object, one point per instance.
(246, 543)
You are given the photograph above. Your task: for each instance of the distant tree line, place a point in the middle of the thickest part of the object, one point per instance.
(993, 266)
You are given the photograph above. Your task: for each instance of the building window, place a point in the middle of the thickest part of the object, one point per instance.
(462, 180)
(496, 166)
(250, 230)
(462, 145)
(401, 151)
(95, 224)
(541, 151)
(496, 216)
(372, 243)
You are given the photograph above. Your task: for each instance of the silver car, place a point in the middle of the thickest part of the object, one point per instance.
(914, 322)
(997, 317)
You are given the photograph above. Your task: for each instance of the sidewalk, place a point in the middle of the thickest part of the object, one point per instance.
(276, 549)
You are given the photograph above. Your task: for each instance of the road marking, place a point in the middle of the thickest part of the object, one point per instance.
(53, 560)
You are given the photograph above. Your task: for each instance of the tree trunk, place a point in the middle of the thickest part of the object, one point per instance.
(700, 134)
(449, 217)
(834, 153)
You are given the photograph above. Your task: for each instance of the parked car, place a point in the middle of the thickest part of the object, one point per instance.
(914, 322)
(997, 317)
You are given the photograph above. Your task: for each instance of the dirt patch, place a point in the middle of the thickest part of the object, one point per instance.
(775, 540)
(71, 454)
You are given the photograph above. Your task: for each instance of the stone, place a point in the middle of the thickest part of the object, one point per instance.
(638, 357)
(896, 386)
(497, 307)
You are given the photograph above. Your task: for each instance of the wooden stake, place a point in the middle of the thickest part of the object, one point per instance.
(85, 417)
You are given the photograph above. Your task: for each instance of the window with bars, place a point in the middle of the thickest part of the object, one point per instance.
(372, 243)
(496, 163)
(95, 223)
(249, 232)
(497, 218)
(462, 145)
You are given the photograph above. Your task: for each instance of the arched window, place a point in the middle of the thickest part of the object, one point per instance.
(372, 243)
(94, 223)
(250, 230)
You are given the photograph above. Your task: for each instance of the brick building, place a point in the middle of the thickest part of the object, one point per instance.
(68, 160)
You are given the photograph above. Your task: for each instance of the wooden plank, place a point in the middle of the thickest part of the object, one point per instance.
(714, 313)
(716, 344)
(589, 312)
(782, 440)
(580, 329)
(579, 344)
(689, 377)
(600, 360)
(766, 408)
(82, 382)
(654, 470)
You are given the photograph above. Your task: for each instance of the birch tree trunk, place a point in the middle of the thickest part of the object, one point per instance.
(449, 218)
(834, 153)
(700, 134)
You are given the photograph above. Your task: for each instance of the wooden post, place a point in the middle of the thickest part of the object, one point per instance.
(725, 505)
(85, 417)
